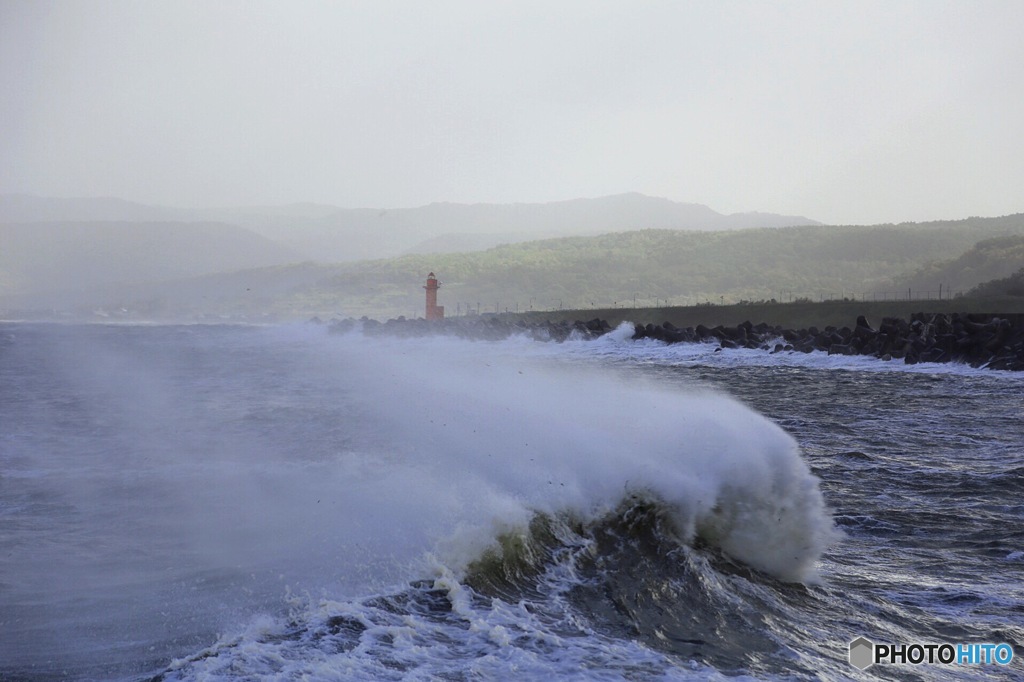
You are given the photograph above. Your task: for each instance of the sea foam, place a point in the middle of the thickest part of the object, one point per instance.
(496, 437)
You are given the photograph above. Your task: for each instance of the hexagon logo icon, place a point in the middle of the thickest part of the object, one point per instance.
(862, 653)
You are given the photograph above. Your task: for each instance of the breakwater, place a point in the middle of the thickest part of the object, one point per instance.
(979, 340)
(974, 339)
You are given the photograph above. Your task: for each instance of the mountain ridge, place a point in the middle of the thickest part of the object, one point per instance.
(181, 269)
(333, 234)
(71, 256)
(646, 268)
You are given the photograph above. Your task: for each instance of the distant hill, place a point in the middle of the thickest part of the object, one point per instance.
(192, 267)
(987, 260)
(651, 266)
(332, 234)
(25, 208)
(42, 257)
(616, 270)
(1012, 286)
(514, 223)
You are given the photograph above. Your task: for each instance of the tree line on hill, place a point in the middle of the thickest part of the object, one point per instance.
(181, 269)
(663, 267)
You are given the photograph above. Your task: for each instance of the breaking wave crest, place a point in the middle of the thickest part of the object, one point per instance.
(562, 596)
(562, 518)
(511, 438)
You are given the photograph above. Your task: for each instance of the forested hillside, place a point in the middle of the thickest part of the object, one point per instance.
(643, 268)
(1012, 286)
(988, 259)
(652, 266)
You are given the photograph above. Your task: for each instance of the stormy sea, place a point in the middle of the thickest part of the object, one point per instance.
(204, 502)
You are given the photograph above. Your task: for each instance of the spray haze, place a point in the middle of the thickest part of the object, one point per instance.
(567, 441)
(201, 473)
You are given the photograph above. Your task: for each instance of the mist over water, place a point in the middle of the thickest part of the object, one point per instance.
(164, 486)
(512, 433)
(168, 483)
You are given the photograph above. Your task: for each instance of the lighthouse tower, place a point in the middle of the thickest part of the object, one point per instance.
(434, 311)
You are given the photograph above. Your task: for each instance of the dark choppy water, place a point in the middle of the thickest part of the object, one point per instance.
(199, 502)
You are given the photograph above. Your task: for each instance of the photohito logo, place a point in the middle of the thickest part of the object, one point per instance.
(864, 653)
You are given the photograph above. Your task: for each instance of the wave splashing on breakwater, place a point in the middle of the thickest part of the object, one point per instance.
(357, 507)
(977, 340)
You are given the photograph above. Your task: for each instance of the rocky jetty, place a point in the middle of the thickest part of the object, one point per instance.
(996, 342)
(976, 340)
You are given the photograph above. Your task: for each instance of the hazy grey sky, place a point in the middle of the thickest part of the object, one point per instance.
(842, 111)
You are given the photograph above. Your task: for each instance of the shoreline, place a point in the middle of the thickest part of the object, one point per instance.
(994, 341)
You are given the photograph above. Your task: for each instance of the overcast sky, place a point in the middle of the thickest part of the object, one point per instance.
(847, 112)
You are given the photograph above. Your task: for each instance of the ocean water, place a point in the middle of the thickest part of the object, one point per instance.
(282, 503)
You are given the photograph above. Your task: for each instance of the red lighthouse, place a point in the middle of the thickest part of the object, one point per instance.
(434, 311)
